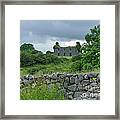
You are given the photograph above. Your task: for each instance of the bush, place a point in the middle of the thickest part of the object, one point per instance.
(76, 58)
(29, 56)
(87, 66)
(76, 66)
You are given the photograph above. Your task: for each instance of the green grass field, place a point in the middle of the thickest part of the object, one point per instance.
(46, 69)
(41, 92)
(38, 70)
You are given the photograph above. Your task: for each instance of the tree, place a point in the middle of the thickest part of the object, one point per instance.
(27, 47)
(91, 50)
(30, 57)
(49, 52)
(89, 57)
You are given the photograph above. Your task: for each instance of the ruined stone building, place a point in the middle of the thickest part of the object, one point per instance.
(65, 51)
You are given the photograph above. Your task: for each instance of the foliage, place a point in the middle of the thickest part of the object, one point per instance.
(27, 47)
(29, 56)
(41, 92)
(76, 66)
(89, 57)
(91, 50)
(76, 58)
(38, 70)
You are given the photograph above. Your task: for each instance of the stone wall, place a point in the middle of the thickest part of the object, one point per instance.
(74, 86)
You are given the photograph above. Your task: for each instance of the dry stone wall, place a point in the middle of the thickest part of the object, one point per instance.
(73, 86)
(76, 86)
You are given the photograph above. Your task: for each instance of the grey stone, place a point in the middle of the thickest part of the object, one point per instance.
(77, 81)
(87, 87)
(59, 85)
(53, 80)
(59, 74)
(70, 97)
(63, 91)
(54, 76)
(75, 75)
(29, 77)
(96, 91)
(26, 81)
(79, 87)
(92, 75)
(69, 75)
(85, 82)
(72, 87)
(91, 89)
(85, 76)
(77, 94)
(58, 79)
(80, 77)
(61, 81)
(66, 80)
(72, 80)
(78, 98)
(46, 76)
(94, 95)
(98, 79)
(93, 84)
(86, 95)
(65, 84)
(69, 93)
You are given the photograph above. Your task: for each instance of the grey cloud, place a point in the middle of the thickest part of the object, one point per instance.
(62, 30)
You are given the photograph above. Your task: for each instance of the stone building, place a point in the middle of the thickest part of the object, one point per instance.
(65, 51)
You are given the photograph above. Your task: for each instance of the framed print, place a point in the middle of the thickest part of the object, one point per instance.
(60, 60)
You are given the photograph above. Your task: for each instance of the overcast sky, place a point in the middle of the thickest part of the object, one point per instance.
(44, 33)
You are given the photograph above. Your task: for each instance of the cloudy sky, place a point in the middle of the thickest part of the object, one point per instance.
(44, 33)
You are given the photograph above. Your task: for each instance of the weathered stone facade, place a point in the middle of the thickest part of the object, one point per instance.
(66, 51)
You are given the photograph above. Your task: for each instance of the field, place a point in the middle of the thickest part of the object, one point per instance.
(38, 70)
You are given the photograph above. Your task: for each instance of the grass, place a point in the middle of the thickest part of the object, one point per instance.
(41, 92)
(38, 70)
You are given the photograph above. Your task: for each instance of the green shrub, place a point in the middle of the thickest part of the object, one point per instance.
(87, 66)
(76, 58)
(76, 66)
